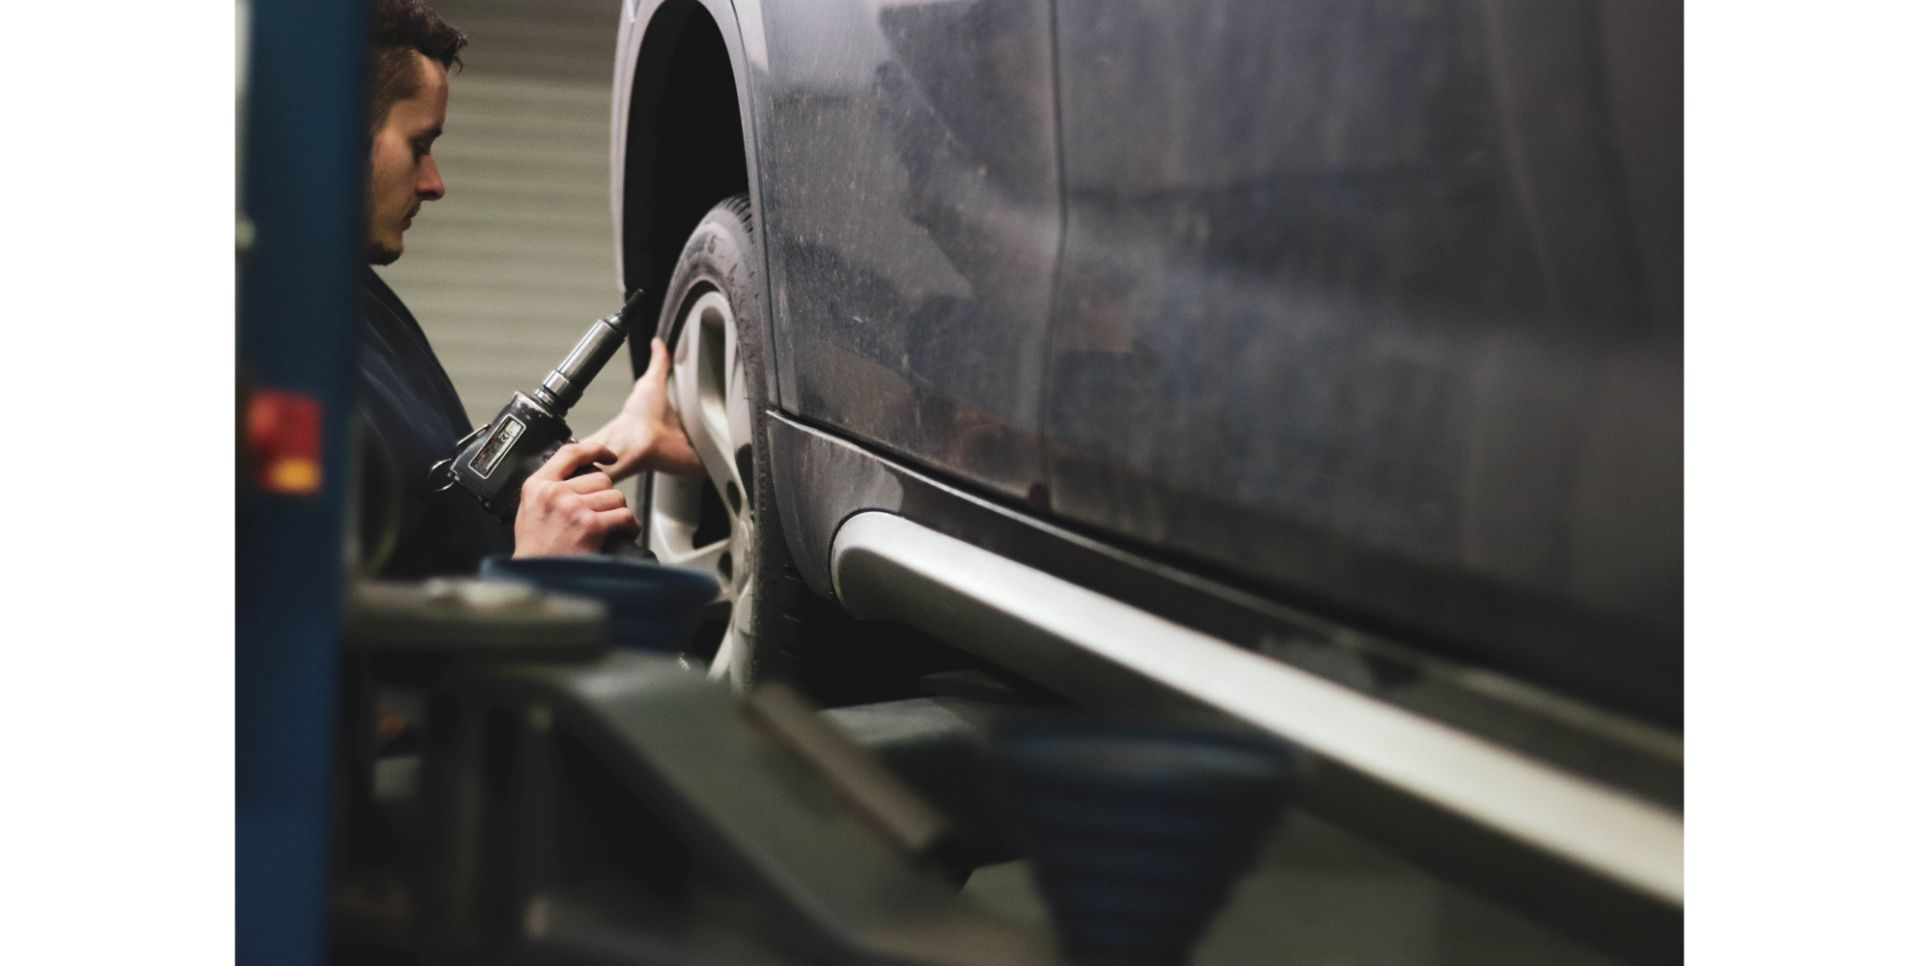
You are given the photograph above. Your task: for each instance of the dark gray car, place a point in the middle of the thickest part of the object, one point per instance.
(1346, 333)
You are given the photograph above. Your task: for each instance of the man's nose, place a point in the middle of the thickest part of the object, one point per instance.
(430, 186)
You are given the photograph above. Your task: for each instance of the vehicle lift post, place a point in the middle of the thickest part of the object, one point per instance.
(302, 157)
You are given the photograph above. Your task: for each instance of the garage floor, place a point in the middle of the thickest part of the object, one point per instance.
(1322, 896)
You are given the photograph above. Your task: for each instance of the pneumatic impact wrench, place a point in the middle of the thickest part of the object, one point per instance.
(494, 460)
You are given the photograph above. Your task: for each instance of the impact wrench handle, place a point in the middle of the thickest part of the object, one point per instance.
(494, 460)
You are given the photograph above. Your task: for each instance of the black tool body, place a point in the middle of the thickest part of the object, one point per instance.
(494, 460)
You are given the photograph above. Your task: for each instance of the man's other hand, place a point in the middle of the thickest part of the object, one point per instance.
(647, 435)
(565, 514)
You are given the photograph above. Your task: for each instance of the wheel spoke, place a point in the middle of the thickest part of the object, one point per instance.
(684, 384)
(745, 594)
(719, 464)
(670, 522)
(704, 390)
(738, 408)
(705, 558)
(722, 666)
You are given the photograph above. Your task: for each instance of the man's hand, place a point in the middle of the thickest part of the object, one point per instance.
(565, 514)
(647, 435)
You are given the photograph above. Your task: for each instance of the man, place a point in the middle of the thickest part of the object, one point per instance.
(412, 409)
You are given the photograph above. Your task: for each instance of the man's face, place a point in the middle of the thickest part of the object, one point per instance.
(401, 172)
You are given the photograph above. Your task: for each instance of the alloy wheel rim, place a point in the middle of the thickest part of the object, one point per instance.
(708, 524)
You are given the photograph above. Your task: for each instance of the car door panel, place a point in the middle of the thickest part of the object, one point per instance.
(1375, 303)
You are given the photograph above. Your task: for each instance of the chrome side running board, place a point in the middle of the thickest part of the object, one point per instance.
(1093, 647)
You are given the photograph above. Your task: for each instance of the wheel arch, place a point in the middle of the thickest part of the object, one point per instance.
(681, 80)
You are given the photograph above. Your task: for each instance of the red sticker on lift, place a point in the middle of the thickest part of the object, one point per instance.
(283, 436)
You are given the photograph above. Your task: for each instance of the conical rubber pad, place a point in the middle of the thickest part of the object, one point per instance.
(1138, 829)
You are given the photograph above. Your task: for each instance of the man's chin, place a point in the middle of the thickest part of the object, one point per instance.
(381, 255)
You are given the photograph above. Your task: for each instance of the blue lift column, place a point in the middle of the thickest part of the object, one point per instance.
(303, 155)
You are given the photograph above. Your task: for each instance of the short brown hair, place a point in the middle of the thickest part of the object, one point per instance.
(401, 27)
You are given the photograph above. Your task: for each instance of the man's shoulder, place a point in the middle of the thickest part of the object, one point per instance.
(387, 320)
(375, 291)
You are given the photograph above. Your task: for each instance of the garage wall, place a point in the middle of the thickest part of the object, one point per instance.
(505, 272)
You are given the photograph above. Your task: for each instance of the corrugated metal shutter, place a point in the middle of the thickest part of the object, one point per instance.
(506, 271)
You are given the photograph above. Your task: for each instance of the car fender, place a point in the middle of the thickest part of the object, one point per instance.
(743, 31)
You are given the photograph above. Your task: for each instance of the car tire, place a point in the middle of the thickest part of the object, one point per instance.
(711, 319)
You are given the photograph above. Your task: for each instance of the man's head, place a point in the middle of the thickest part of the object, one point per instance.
(412, 51)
